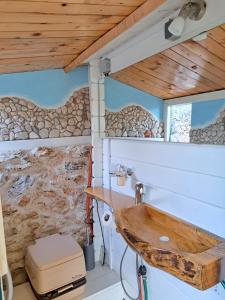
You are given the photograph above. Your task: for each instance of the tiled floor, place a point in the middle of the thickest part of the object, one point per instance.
(98, 279)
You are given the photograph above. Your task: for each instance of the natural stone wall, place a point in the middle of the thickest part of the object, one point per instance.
(21, 119)
(132, 121)
(211, 134)
(42, 194)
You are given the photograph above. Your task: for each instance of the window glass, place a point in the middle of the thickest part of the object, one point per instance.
(180, 123)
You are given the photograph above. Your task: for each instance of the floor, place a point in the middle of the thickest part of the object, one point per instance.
(98, 280)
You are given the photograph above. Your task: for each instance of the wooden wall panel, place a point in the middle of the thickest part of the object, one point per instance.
(24, 64)
(44, 7)
(31, 18)
(49, 34)
(34, 29)
(100, 2)
(186, 69)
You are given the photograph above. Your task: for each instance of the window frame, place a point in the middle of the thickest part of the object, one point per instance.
(186, 100)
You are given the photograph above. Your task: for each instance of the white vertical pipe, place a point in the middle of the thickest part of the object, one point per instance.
(9, 285)
(3, 259)
(110, 249)
(111, 230)
(166, 120)
(96, 85)
(97, 95)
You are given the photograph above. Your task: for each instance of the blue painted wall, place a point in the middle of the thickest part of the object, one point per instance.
(119, 95)
(49, 88)
(205, 113)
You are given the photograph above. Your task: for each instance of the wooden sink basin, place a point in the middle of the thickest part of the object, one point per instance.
(173, 245)
(166, 242)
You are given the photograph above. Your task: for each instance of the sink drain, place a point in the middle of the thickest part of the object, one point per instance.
(164, 238)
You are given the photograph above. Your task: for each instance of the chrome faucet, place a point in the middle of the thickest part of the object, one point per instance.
(139, 191)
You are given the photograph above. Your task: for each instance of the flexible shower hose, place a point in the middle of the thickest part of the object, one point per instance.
(121, 276)
(145, 284)
(223, 283)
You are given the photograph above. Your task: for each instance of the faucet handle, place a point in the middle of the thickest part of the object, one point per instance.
(139, 188)
(139, 191)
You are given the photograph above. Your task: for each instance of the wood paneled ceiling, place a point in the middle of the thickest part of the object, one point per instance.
(186, 69)
(43, 34)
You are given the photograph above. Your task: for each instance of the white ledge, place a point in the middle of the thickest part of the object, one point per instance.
(49, 142)
(136, 139)
(171, 144)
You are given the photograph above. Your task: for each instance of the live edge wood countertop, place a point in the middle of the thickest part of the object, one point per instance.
(111, 198)
(166, 242)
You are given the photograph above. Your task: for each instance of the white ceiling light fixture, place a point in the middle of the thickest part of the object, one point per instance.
(176, 27)
(193, 10)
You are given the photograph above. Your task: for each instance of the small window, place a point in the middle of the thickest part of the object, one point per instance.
(179, 123)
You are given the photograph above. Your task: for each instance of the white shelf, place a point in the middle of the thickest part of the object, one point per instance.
(49, 142)
(136, 139)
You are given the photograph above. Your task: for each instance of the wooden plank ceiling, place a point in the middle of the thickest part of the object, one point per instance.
(187, 69)
(43, 34)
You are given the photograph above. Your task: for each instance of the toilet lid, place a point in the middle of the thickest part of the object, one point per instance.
(54, 250)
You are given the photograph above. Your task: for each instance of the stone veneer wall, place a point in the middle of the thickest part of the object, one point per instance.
(132, 121)
(211, 134)
(21, 119)
(42, 194)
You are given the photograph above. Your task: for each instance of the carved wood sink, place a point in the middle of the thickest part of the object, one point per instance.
(166, 242)
(173, 245)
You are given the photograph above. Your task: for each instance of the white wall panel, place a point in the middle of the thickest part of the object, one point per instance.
(187, 181)
(206, 159)
(202, 187)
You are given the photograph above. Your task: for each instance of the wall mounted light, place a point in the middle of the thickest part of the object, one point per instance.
(194, 10)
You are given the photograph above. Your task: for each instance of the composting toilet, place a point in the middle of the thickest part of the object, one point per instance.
(56, 268)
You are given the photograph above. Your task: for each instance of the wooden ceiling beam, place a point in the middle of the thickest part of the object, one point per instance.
(142, 11)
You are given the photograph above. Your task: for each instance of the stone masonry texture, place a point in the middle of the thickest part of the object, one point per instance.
(132, 121)
(42, 194)
(211, 134)
(21, 119)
